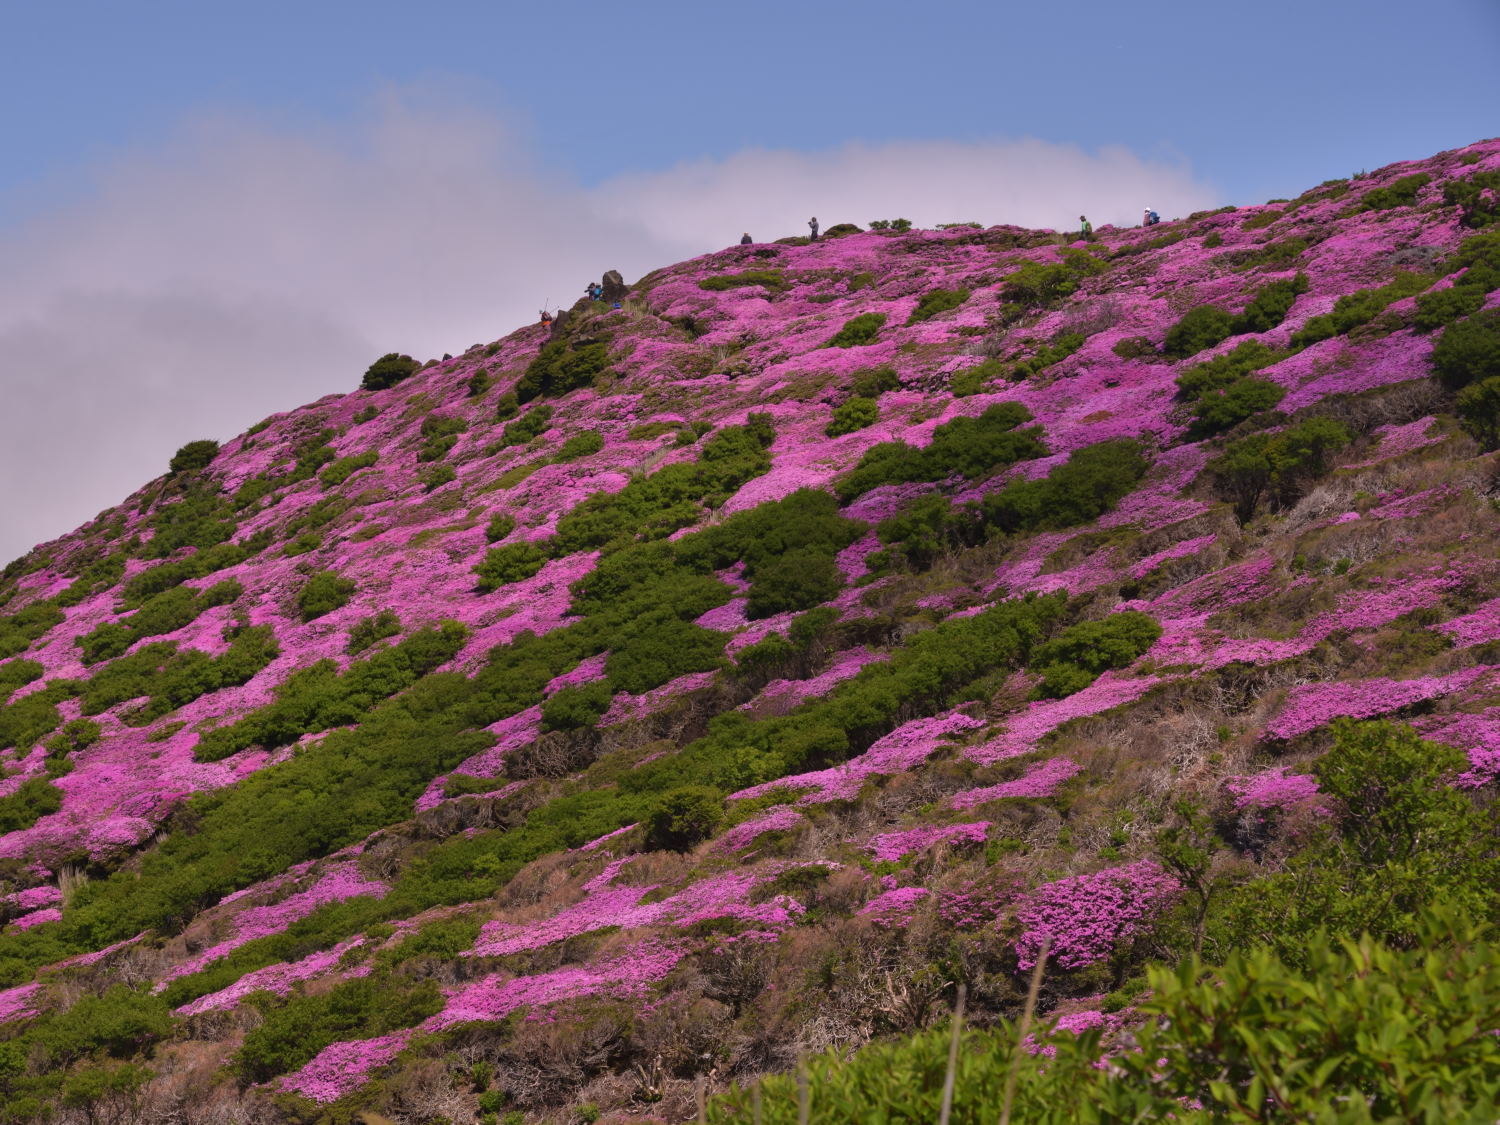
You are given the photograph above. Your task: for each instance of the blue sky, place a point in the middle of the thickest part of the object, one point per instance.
(213, 211)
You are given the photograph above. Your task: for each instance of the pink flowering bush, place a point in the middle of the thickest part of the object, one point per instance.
(1086, 919)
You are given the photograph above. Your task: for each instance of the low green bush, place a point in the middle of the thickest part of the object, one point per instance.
(583, 444)
(501, 524)
(1091, 482)
(507, 406)
(514, 562)
(774, 281)
(936, 301)
(389, 370)
(323, 592)
(973, 380)
(1201, 327)
(368, 630)
(1401, 192)
(1034, 285)
(561, 366)
(529, 426)
(20, 629)
(571, 708)
(1064, 345)
(1278, 465)
(433, 477)
(1268, 308)
(858, 331)
(684, 817)
(1081, 653)
(1360, 307)
(853, 414)
(1478, 405)
(194, 457)
(872, 382)
(336, 473)
(973, 448)
(33, 799)
(1221, 410)
(1468, 351)
(1477, 198)
(479, 382)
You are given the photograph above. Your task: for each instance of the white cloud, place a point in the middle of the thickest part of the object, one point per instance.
(243, 270)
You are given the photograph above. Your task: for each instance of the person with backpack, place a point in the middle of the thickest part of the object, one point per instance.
(1150, 218)
(745, 239)
(546, 319)
(812, 225)
(1087, 232)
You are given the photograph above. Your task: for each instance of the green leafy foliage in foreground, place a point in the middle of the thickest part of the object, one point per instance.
(973, 448)
(1358, 1033)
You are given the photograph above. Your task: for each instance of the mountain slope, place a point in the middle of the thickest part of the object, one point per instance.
(730, 673)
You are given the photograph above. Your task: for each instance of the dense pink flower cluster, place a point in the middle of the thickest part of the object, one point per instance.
(782, 818)
(1041, 780)
(1477, 628)
(1314, 705)
(1086, 918)
(15, 1003)
(37, 917)
(1396, 440)
(894, 845)
(340, 1067)
(1024, 730)
(1272, 789)
(894, 907)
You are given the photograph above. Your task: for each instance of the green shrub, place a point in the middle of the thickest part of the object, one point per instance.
(341, 470)
(1227, 369)
(1091, 482)
(515, 562)
(872, 382)
(507, 406)
(194, 457)
(173, 678)
(291, 1033)
(561, 366)
(858, 330)
(1059, 349)
(1213, 240)
(936, 301)
(684, 817)
(573, 707)
(773, 281)
(501, 524)
(1444, 306)
(583, 444)
(1278, 465)
(389, 370)
(899, 226)
(433, 477)
(973, 448)
(368, 630)
(1201, 327)
(1401, 192)
(1034, 285)
(669, 499)
(35, 798)
(319, 696)
(838, 230)
(1220, 410)
(73, 736)
(1477, 198)
(1134, 347)
(479, 382)
(323, 592)
(20, 629)
(1354, 309)
(1478, 405)
(973, 380)
(659, 647)
(1269, 306)
(18, 673)
(529, 426)
(1081, 653)
(853, 414)
(368, 414)
(1468, 351)
(1260, 221)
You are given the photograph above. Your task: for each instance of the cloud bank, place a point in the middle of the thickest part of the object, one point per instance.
(243, 270)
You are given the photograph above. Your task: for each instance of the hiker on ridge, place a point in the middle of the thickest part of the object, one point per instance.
(546, 319)
(1087, 233)
(812, 225)
(1150, 218)
(745, 239)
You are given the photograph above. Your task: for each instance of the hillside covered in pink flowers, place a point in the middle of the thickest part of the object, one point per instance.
(639, 703)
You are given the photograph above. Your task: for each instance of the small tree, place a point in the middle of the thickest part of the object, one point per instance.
(194, 456)
(323, 593)
(684, 817)
(388, 370)
(1479, 407)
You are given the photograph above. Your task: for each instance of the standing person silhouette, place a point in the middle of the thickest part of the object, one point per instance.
(812, 225)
